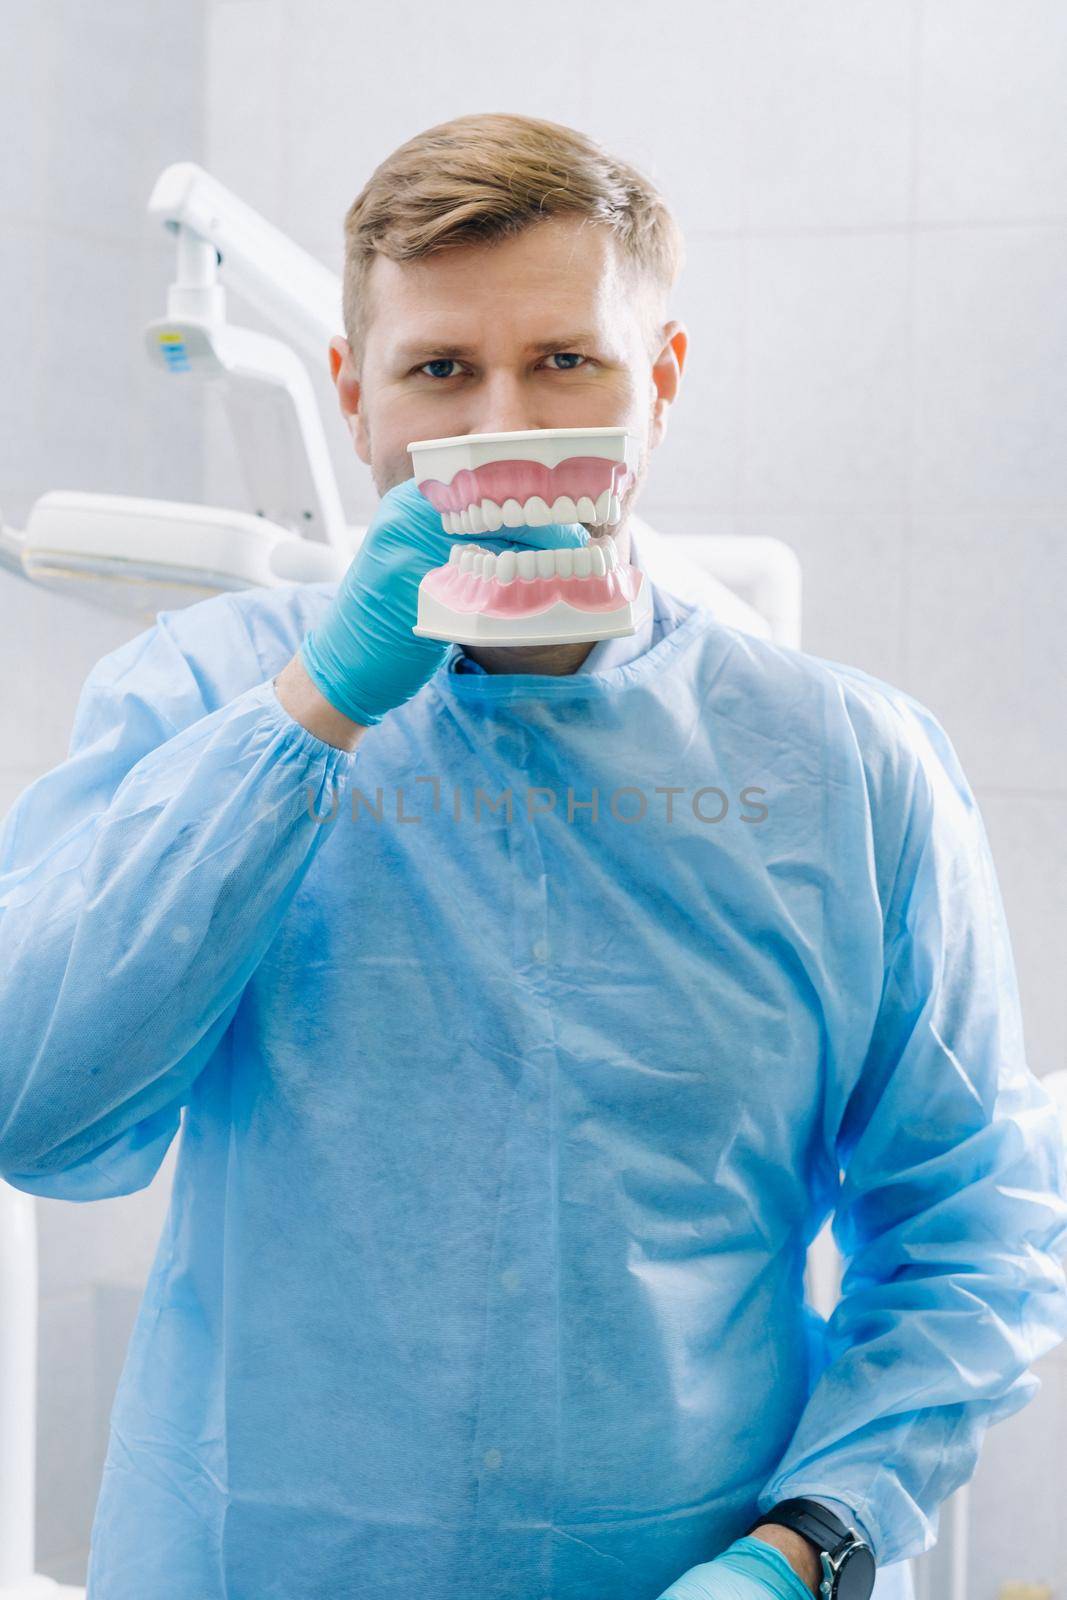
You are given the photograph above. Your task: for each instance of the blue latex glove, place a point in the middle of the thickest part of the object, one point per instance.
(363, 656)
(748, 1570)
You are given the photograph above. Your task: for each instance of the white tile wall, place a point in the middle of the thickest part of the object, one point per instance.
(827, 115)
(826, 380)
(875, 204)
(984, 647)
(989, 104)
(990, 353)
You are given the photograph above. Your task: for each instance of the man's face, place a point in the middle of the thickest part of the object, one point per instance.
(541, 331)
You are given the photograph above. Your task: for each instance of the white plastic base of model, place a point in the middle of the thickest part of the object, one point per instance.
(559, 624)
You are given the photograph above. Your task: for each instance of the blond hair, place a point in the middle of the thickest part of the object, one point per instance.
(488, 176)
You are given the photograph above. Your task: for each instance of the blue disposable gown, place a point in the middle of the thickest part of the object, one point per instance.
(504, 1139)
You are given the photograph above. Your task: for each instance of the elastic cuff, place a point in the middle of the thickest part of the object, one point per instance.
(302, 737)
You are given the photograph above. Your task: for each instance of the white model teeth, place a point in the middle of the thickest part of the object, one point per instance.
(487, 516)
(594, 560)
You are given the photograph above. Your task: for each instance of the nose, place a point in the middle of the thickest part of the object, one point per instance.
(506, 407)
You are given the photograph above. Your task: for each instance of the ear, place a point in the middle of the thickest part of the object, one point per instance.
(667, 376)
(349, 394)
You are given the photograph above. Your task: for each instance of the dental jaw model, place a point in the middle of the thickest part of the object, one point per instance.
(486, 483)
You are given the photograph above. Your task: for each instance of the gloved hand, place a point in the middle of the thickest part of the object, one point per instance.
(363, 656)
(748, 1570)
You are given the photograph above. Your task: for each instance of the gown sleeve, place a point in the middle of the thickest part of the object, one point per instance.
(951, 1214)
(141, 882)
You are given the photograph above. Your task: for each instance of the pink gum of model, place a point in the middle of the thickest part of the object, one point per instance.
(524, 597)
(518, 480)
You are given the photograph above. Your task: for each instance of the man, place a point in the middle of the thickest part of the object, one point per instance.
(531, 1010)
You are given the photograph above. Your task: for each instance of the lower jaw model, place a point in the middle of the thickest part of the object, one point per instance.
(527, 597)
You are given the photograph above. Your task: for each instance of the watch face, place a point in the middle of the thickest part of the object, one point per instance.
(855, 1576)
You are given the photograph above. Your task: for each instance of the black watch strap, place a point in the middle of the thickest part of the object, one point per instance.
(847, 1560)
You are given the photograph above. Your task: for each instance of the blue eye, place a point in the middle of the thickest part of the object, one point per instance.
(447, 361)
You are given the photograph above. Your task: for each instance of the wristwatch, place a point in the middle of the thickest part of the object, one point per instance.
(847, 1560)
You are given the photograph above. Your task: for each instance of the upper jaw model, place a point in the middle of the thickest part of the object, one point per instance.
(486, 482)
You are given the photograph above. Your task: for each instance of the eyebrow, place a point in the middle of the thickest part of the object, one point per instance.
(459, 352)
